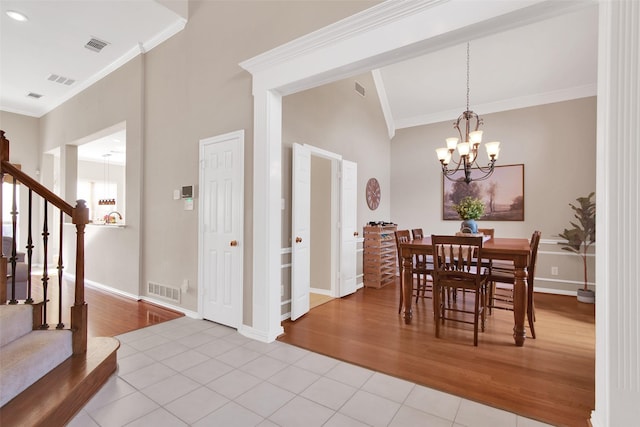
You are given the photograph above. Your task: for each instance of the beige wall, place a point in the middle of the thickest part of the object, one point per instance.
(557, 145)
(112, 255)
(337, 119)
(321, 225)
(22, 133)
(191, 87)
(187, 89)
(195, 89)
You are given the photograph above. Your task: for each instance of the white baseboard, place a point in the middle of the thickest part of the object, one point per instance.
(318, 291)
(106, 288)
(554, 291)
(112, 290)
(257, 335)
(189, 313)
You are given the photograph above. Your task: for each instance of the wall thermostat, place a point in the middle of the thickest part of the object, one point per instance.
(187, 192)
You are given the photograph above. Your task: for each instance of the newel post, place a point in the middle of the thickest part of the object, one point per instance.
(79, 327)
(4, 155)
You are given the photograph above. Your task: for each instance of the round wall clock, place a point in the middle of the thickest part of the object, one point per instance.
(373, 194)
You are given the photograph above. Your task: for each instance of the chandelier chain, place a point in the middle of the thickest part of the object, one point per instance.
(467, 145)
(468, 90)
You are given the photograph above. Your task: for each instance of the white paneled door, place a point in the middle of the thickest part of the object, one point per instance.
(348, 227)
(300, 231)
(221, 228)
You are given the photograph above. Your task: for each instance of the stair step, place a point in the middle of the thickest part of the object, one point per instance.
(15, 321)
(28, 358)
(59, 395)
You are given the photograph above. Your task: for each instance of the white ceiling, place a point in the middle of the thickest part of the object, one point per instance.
(52, 42)
(546, 61)
(110, 148)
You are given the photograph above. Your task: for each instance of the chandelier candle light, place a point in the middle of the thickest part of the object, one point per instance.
(467, 146)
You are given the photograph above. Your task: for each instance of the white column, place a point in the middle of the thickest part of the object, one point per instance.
(69, 174)
(267, 225)
(618, 199)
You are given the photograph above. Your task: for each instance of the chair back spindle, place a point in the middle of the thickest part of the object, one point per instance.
(455, 260)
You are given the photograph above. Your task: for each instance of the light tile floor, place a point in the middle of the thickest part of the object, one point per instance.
(194, 372)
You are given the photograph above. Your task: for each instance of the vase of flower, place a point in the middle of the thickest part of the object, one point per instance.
(469, 226)
(469, 209)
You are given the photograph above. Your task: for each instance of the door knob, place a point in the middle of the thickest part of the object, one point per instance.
(356, 234)
(298, 239)
(233, 243)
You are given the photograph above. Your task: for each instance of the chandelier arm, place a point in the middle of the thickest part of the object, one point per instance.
(487, 168)
(467, 162)
(446, 171)
(484, 177)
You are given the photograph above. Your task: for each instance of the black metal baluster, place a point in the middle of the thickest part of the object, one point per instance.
(13, 258)
(45, 275)
(29, 300)
(60, 268)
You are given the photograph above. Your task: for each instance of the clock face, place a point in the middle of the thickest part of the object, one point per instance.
(373, 194)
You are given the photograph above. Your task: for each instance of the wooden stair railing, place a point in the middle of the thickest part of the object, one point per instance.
(80, 217)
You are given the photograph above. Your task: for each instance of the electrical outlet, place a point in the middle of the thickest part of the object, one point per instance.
(554, 271)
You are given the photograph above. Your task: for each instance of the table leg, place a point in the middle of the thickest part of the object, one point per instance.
(407, 284)
(519, 303)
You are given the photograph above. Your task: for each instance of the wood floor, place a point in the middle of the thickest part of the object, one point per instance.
(551, 378)
(109, 314)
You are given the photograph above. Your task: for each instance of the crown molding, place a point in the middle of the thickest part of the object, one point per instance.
(141, 48)
(503, 105)
(362, 22)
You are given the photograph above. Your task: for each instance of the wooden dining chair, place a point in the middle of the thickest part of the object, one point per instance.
(422, 270)
(402, 236)
(455, 267)
(502, 279)
(487, 231)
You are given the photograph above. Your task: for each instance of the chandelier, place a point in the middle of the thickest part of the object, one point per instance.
(467, 146)
(106, 183)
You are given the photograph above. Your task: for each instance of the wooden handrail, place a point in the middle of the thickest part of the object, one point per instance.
(44, 192)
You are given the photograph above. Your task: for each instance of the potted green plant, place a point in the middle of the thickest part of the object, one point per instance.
(469, 209)
(581, 237)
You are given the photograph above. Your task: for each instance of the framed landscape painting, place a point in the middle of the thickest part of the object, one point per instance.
(502, 193)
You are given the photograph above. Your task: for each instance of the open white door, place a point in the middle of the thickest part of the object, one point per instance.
(221, 228)
(348, 231)
(300, 231)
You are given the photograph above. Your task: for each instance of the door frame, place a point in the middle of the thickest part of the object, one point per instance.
(238, 136)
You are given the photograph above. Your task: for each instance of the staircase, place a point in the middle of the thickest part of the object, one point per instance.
(27, 355)
(46, 374)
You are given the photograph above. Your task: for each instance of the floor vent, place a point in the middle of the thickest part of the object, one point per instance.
(163, 291)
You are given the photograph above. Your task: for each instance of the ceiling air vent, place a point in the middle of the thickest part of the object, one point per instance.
(60, 79)
(95, 45)
(360, 89)
(34, 95)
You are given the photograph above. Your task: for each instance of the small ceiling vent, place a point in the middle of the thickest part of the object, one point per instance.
(95, 45)
(360, 89)
(34, 95)
(61, 79)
